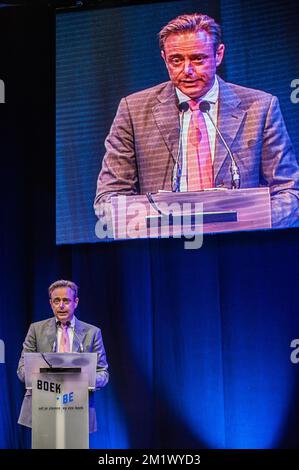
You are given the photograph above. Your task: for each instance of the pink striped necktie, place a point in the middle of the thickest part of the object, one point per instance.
(64, 340)
(199, 159)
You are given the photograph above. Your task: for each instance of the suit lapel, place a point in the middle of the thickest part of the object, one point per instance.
(166, 115)
(50, 336)
(230, 117)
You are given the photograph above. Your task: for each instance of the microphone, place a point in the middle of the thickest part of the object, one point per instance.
(204, 107)
(183, 107)
(80, 344)
(153, 204)
(176, 175)
(58, 323)
(44, 358)
(75, 335)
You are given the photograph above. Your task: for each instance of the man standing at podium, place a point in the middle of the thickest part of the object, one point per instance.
(63, 333)
(163, 138)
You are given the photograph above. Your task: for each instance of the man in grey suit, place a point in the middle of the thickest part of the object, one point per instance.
(142, 146)
(49, 336)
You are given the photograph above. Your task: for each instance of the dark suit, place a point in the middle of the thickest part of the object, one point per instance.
(142, 146)
(41, 337)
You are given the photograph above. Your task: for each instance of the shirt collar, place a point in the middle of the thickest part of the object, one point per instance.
(211, 96)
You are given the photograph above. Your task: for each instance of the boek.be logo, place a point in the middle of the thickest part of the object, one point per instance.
(53, 387)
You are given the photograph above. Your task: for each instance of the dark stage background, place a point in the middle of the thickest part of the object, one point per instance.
(198, 341)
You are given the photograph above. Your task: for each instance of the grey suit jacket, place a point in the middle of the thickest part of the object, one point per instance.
(142, 147)
(41, 337)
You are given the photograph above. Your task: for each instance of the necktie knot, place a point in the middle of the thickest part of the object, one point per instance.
(194, 105)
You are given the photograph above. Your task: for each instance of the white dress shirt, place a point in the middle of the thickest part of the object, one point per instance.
(212, 97)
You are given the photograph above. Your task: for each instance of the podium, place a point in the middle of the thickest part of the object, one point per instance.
(60, 405)
(167, 214)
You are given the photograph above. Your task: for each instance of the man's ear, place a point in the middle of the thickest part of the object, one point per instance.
(76, 301)
(220, 54)
(164, 58)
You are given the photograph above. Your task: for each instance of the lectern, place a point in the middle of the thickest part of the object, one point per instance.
(60, 383)
(167, 214)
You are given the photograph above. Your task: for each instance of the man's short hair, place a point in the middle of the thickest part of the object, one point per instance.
(191, 23)
(64, 283)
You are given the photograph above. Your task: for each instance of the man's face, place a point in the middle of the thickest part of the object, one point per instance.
(63, 303)
(191, 61)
